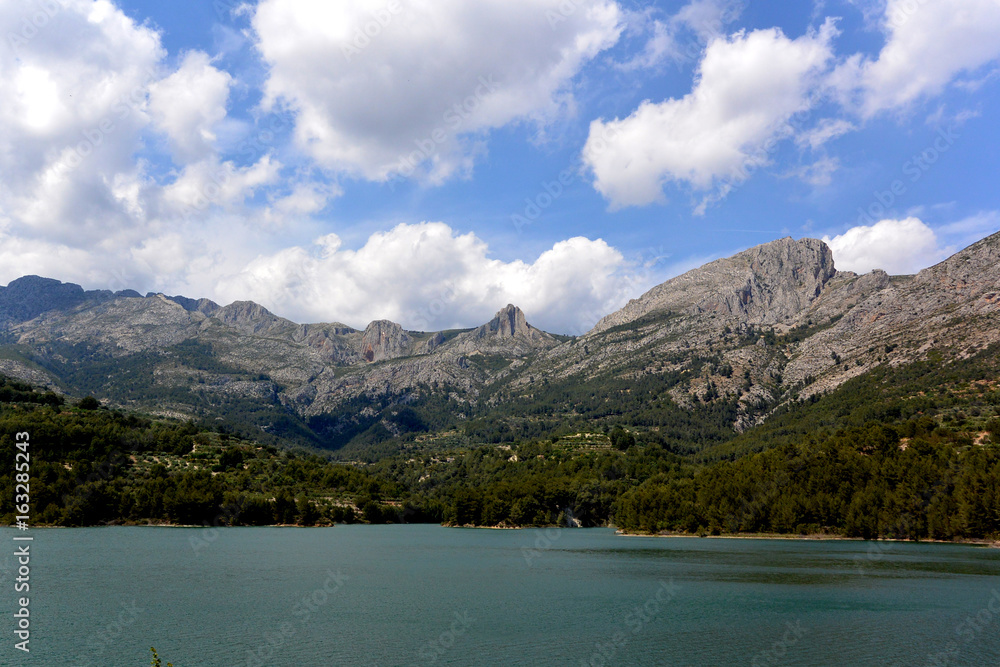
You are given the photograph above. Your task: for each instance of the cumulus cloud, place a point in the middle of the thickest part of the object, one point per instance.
(82, 86)
(87, 197)
(748, 88)
(209, 182)
(402, 88)
(898, 247)
(428, 277)
(72, 106)
(928, 44)
(188, 104)
(304, 198)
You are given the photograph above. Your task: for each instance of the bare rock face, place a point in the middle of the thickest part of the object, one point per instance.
(336, 342)
(846, 290)
(28, 297)
(121, 325)
(508, 323)
(465, 362)
(952, 305)
(204, 306)
(434, 341)
(250, 317)
(384, 340)
(768, 284)
(507, 333)
(784, 278)
(723, 310)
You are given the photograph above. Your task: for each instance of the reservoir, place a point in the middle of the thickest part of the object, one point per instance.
(428, 595)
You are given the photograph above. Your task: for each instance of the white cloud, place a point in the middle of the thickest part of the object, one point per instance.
(973, 85)
(826, 130)
(967, 231)
(428, 277)
(683, 36)
(662, 46)
(72, 106)
(79, 94)
(420, 90)
(188, 104)
(819, 173)
(928, 44)
(210, 183)
(708, 18)
(896, 246)
(748, 88)
(304, 199)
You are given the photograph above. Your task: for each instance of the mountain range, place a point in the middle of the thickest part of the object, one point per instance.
(725, 344)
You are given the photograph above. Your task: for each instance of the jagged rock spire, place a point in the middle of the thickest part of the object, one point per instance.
(508, 323)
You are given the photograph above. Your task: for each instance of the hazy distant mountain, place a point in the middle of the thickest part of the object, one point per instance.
(770, 324)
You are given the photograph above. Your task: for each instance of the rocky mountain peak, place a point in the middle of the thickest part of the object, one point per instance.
(766, 284)
(384, 340)
(507, 333)
(204, 306)
(508, 323)
(783, 278)
(28, 297)
(794, 261)
(246, 316)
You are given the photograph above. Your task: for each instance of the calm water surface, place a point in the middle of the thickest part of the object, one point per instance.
(420, 595)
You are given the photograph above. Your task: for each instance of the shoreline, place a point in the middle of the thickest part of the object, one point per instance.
(177, 525)
(813, 537)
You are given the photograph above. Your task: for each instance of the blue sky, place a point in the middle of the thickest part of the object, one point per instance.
(561, 155)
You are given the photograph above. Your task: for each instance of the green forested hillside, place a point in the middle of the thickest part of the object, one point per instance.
(93, 466)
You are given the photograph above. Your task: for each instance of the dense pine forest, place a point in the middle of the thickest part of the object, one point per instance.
(908, 452)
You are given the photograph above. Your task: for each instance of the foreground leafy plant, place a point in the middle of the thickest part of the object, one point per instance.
(155, 662)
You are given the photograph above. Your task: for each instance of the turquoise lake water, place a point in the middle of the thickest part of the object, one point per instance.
(422, 595)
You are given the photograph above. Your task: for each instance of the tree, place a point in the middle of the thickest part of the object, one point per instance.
(621, 439)
(284, 507)
(88, 403)
(232, 458)
(308, 514)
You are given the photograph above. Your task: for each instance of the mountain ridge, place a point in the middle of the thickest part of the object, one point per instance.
(774, 323)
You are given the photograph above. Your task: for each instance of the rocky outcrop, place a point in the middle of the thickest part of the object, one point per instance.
(769, 284)
(508, 323)
(28, 297)
(954, 305)
(250, 317)
(336, 342)
(204, 306)
(778, 321)
(507, 333)
(384, 340)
